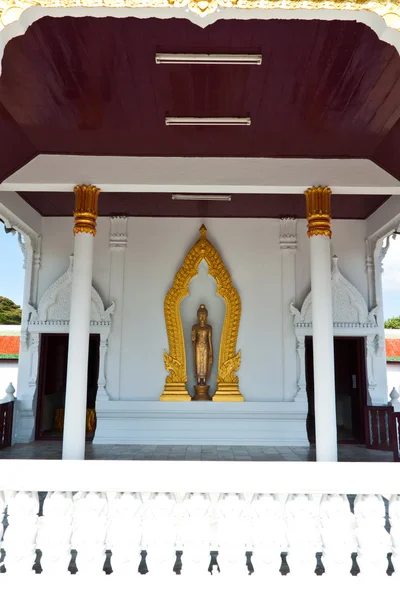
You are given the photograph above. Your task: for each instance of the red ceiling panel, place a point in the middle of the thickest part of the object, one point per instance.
(91, 86)
(241, 205)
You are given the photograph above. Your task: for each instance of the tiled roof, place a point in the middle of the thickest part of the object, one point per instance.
(393, 349)
(9, 346)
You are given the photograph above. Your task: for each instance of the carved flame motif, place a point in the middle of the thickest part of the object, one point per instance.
(10, 10)
(229, 359)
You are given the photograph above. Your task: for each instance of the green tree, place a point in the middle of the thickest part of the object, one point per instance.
(10, 313)
(393, 323)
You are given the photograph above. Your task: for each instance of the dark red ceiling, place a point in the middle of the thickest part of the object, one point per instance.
(241, 205)
(91, 86)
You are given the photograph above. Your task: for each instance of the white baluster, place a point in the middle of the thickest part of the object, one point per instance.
(338, 535)
(372, 538)
(124, 535)
(90, 520)
(2, 511)
(194, 536)
(232, 530)
(20, 535)
(54, 533)
(159, 534)
(267, 535)
(303, 533)
(394, 514)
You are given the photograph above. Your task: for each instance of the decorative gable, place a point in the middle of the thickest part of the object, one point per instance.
(54, 305)
(349, 307)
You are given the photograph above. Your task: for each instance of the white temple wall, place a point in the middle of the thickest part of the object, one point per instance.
(155, 250)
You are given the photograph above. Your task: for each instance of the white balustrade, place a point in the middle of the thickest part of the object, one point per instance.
(199, 521)
(2, 513)
(394, 515)
(268, 537)
(195, 535)
(337, 535)
(159, 534)
(20, 535)
(89, 531)
(372, 538)
(124, 533)
(55, 532)
(303, 533)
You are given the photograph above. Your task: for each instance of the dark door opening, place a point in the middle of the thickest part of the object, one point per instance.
(351, 389)
(52, 385)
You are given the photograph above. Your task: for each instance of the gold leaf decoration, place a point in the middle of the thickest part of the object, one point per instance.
(10, 10)
(229, 360)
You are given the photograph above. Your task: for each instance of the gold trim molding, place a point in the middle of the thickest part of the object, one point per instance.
(229, 360)
(10, 10)
(318, 201)
(86, 211)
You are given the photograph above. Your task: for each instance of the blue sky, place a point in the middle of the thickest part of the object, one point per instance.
(11, 271)
(12, 274)
(391, 280)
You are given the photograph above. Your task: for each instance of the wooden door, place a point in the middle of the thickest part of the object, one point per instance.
(52, 382)
(351, 388)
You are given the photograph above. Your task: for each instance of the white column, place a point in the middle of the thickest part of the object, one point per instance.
(318, 216)
(79, 324)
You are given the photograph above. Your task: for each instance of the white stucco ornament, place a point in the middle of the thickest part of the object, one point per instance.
(351, 317)
(349, 307)
(395, 399)
(54, 305)
(52, 316)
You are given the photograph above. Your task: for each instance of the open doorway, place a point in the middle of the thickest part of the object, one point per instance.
(351, 389)
(52, 385)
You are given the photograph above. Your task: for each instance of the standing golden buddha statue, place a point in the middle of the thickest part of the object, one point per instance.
(202, 353)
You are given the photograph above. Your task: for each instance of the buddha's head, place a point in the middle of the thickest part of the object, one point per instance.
(202, 314)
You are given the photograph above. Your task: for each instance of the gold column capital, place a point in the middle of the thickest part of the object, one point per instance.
(318, 200)
(85, 213)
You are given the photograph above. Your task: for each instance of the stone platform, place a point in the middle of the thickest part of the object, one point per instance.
(52, 450)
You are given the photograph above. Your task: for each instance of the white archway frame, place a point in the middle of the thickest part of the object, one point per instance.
(351, 317)
(52, 316)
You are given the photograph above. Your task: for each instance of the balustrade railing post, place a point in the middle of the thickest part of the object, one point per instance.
(89, 530)
(338, 535)
(20, 535)
(54, 533)
(124, 534)
(195, 536)
(373, 540)
(394, 517)
(159, 535)
(232, 529)
(303, 533)
(267, 534)
(2, 513)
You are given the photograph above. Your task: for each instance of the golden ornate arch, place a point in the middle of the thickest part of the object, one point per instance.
(229, 359)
